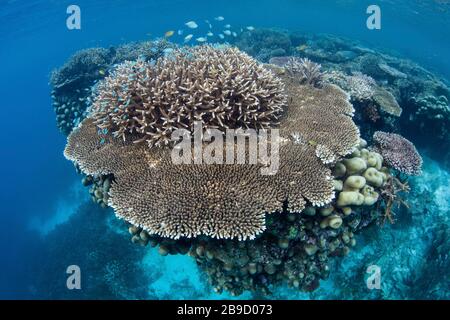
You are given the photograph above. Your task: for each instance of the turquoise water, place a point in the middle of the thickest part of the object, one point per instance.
(45, 209)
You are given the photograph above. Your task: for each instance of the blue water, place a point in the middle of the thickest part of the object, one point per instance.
(40, 188)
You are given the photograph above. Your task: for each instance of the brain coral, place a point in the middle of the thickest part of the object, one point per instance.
(223, 201)
(221, 88)
(398, 152)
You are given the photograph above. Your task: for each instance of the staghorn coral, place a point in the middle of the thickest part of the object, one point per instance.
(222, 201)
(151, 102)
(305, 71)
(398, 152)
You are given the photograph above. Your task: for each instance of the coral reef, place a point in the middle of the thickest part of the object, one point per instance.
(254, 233)
(150, 102)
(398, 152)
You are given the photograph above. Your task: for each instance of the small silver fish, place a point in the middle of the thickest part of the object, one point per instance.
(250, 28)
(221, 36)
(228, 26)
(219, 18)
(227, 32)
(209, 24)
(210, 34)
(234, 34)
(191, 24)
(201, 39)
(188, 37)
(180, 32)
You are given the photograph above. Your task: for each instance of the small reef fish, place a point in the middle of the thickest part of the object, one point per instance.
(228, 26)
(188, 37)
(210, 34)
(180, 32)
(101, 72)
(169, 33)
(201, 39)
(221, 36)
(209, 24)
(227, 32)
(250, 28)
(234, 34)
(191, 24)
(219, 18)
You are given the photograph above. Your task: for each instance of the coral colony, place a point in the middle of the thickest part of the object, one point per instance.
(246, 230)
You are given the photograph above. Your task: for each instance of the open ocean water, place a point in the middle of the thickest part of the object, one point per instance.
(49, 221)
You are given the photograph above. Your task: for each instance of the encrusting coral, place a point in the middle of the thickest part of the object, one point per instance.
(223, 201)
(221, 88)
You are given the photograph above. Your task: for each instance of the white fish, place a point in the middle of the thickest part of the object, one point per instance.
(209, 24)
(221, 36)
(188, 37)
(228, 26)
(210, 34)
(201, 39)
(219, 18)
(250, 28)
(234, 34)
(227, 32)
(191, 24)
(180, 32)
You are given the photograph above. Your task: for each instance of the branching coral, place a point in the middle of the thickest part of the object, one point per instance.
(222, 201)
(222, 88)
(390, 194)
(398, 152)
(305, 71)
